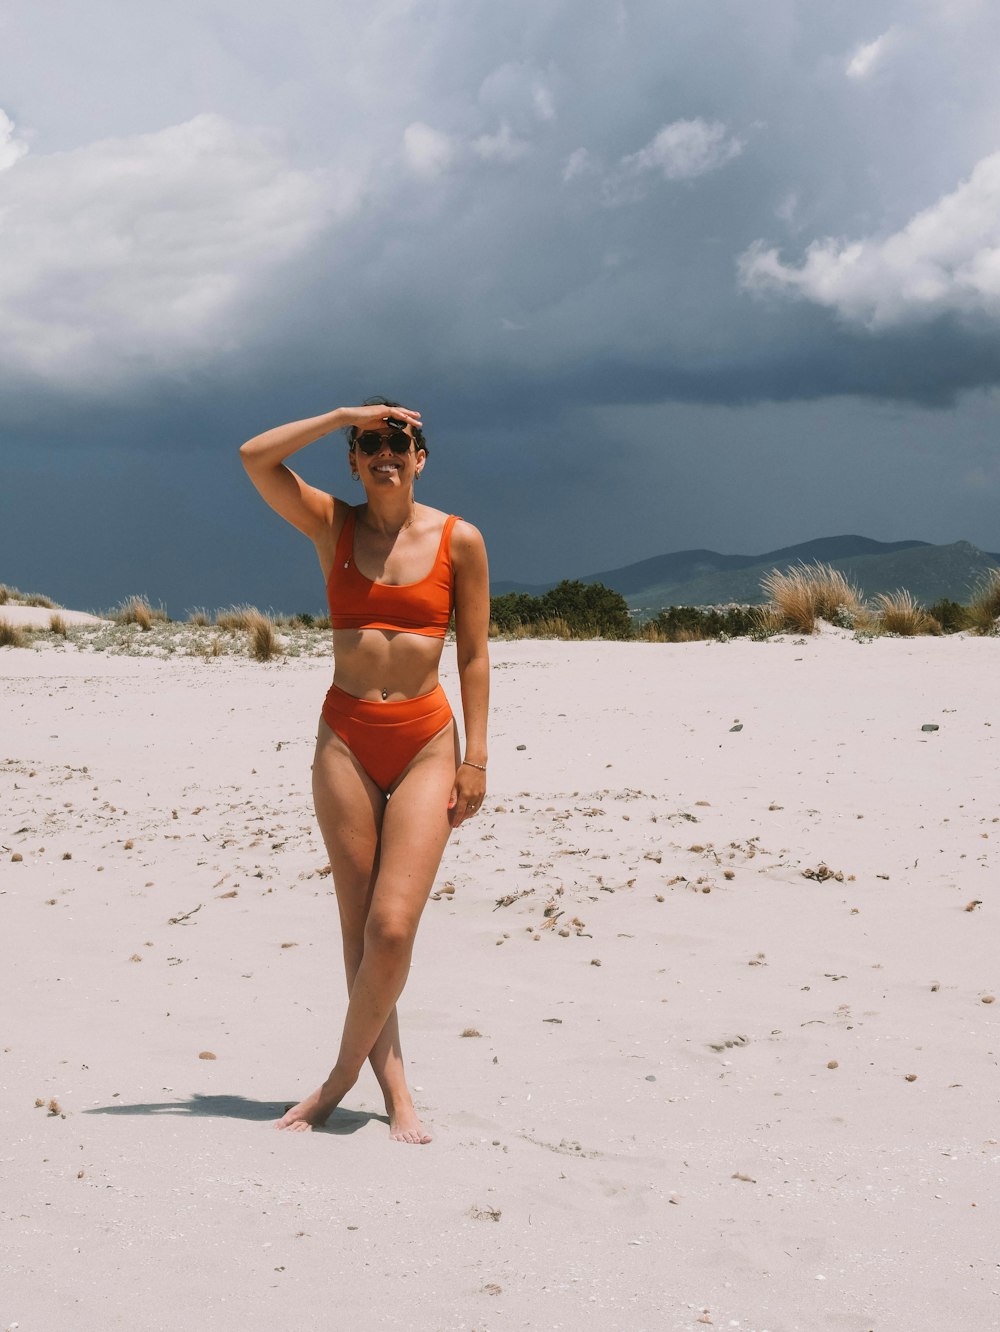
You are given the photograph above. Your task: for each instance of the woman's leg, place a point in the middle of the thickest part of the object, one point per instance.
(415, 829)
(382, 885)
(349, 808)
(352, 844)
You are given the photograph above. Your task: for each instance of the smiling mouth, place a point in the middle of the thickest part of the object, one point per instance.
(386, 467)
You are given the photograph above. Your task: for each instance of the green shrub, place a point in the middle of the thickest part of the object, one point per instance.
(951, 616)
(687, 624)
(582, 610)
(512, 609)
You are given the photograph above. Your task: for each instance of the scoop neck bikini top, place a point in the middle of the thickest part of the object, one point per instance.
(423, 607)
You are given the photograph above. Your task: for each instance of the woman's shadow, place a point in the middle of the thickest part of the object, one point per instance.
(341, 1122)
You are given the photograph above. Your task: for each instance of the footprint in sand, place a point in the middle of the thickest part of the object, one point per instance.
(728, 1043)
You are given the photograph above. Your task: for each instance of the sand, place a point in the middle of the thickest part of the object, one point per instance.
(743, 1074)
(40, 617)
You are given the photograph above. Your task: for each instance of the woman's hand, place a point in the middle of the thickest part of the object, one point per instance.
(377, 414)
(466, 795)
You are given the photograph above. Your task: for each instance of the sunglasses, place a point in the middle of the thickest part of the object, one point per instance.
(372, 441)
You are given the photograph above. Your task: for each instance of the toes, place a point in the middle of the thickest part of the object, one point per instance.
(415, 1137)
(293, 1125)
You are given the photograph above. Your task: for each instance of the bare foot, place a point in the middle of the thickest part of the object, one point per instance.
(316, 1109)
(404, 1126)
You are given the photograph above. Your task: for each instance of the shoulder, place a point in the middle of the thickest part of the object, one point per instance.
(468, 550)
(466, 537)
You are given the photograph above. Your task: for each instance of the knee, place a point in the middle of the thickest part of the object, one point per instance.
(389, 934)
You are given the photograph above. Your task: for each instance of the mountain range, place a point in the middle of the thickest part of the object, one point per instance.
(707, 578)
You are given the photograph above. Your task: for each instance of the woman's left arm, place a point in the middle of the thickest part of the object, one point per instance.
(472, 627)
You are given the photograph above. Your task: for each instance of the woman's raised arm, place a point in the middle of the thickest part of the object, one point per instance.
(305, 507)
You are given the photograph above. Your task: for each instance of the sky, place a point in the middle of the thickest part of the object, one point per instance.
(659, 274)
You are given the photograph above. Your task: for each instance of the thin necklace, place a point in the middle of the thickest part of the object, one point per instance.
(395, 534)
(347, 562)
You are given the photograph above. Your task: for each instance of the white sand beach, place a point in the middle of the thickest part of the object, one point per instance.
(40, 617)
(704, 1090)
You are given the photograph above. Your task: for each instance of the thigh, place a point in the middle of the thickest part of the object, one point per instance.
(349, 809)
(415, 830)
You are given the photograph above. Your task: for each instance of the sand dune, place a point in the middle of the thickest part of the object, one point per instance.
(725, 930)
(39, 617)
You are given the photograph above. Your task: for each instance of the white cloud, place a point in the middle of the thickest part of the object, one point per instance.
(518, 92)
(543, 102)
(429, 152)
(137, 254)
(870, 56)
(788, 208)
(11, 148)
(504, 146)
(685, 149)
(682, 150)
(577, 164)
(945, 260)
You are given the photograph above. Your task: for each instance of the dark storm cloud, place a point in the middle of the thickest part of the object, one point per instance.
(508, 192)
(513, 219)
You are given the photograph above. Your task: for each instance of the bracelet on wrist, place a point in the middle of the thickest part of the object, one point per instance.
(467, 763)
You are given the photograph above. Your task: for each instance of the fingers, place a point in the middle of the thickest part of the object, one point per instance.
(380, 412)
(463, 805)
(403, 413)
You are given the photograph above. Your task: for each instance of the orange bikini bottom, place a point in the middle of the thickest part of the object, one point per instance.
(385, 736)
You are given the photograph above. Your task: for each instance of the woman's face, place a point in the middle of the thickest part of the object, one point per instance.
(385, 466)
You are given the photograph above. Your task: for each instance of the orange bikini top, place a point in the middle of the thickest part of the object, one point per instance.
(423, 607)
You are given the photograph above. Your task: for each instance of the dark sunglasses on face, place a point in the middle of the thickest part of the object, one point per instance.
(372, 442)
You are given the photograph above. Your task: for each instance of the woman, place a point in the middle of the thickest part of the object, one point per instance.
(389, 779)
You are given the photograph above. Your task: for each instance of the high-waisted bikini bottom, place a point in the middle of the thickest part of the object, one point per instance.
(385, 736)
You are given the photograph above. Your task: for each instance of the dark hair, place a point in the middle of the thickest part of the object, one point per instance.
(352, 432)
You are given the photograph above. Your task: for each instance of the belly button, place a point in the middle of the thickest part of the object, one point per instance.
(385, 695)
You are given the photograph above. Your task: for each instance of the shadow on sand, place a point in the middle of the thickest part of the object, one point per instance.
(238, 1107)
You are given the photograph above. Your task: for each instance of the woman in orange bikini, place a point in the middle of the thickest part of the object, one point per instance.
(389, 779)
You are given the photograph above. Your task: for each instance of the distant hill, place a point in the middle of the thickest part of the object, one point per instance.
(705, 578)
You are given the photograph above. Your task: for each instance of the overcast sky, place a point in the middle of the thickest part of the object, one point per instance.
(659, 274)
